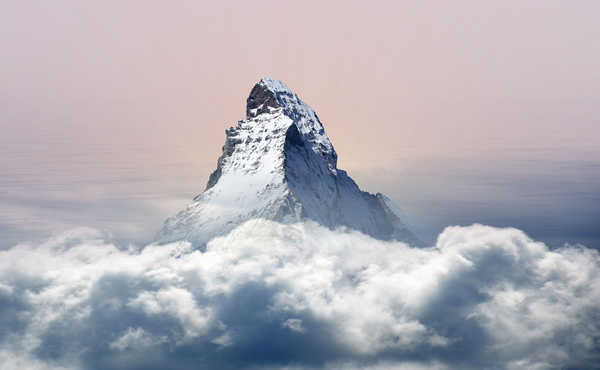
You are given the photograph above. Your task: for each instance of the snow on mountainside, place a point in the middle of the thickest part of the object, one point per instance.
(279, 164)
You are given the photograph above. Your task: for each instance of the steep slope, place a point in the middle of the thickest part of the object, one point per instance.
(279, 164)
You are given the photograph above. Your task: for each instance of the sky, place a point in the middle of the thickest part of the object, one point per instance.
(113, 114)
(480, 119)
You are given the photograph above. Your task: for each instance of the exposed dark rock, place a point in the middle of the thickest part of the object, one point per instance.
(260, 98)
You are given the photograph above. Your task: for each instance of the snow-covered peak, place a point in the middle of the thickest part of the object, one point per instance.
(269, 95)
(279, 164)
(275, 85)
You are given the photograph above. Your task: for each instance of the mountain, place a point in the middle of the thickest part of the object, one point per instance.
(279, 164)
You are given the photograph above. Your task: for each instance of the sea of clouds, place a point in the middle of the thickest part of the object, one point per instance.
(274, 296)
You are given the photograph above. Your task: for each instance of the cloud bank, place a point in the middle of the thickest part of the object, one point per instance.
(273, 296)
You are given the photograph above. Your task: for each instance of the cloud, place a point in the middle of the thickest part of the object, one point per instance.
(135, 339)
(274, 296)
(294, 325)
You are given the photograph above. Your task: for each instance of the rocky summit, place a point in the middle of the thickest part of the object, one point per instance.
(279, 164)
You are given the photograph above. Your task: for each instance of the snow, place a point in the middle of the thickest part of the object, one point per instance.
(275, 85)
(280, 165)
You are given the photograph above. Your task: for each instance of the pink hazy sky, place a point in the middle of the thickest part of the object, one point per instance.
(112, 113)
(389, 79)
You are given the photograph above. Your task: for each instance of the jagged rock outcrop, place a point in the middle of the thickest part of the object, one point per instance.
(279, 164)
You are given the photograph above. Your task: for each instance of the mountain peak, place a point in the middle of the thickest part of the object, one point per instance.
(265, 96)
(275, 85)
(279, 164)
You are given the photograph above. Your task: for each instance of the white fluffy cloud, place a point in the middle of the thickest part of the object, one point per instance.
(300, 296)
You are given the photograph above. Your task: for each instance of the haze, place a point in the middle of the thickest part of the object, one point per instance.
(113, 113)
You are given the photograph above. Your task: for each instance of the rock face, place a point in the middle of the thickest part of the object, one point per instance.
(279, 164)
